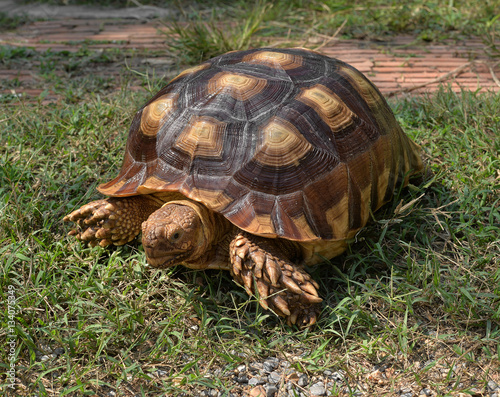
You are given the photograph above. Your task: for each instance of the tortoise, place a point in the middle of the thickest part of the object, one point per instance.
(260, 162)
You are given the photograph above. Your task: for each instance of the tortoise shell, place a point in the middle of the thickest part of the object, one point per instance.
(282, 142)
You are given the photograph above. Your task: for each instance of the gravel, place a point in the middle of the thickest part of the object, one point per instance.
(256, 381)
(271, 364)
(271, 390)
(303, 380)
(493, 386)
(318, 389)
(277, 377)
(274, 377)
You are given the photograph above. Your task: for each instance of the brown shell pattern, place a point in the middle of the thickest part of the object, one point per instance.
(282, 142)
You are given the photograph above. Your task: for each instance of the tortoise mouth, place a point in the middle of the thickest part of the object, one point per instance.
(164, 261)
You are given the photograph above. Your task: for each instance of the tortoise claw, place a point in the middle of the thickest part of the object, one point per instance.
(280, 285)
(100, 223)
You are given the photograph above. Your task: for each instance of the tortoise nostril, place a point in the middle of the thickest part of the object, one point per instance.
(152, 235)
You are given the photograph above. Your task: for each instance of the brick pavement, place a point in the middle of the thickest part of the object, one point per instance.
(399, 65)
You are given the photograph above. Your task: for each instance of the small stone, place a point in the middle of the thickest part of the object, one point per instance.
(492, 386)
(255, 381)
(318, 389)
(409, 394)
(58, 351)
(270, 364)
(255, 367)
(327, 372)
(160, 373)
(45, 357)
(217, 373)
(337, 376)
(274, 377)
(425, 392)
(242, 378)
(241, 368)
(303, 380)
(271, 390)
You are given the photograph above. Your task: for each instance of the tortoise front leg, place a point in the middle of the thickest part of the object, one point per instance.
(111, 221)
(263, 266)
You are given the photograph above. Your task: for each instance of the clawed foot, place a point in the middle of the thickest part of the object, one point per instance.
(104, 222)
(281, 286)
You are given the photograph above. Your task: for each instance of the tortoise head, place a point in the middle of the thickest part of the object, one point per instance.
(174, 234)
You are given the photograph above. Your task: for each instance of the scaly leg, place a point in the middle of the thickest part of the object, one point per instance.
(113, 220)
(263, 266)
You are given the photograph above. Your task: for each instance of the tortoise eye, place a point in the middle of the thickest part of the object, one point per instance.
(175, 236)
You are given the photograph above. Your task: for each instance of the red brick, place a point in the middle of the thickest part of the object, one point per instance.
(391, 65)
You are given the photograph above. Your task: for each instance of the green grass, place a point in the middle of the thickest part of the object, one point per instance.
(202, 29)
(418, 291)
(11, 22)
(202, 33)
(417, 282)
(72, 75)
(199, 39)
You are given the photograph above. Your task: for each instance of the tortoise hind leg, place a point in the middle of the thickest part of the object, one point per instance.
(111, 221)
(264, 268)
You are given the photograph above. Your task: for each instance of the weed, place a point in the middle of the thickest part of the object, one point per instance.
(199, 40)
(200, 35)
(11, 22)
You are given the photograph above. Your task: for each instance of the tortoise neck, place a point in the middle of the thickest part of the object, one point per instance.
(213, 252)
